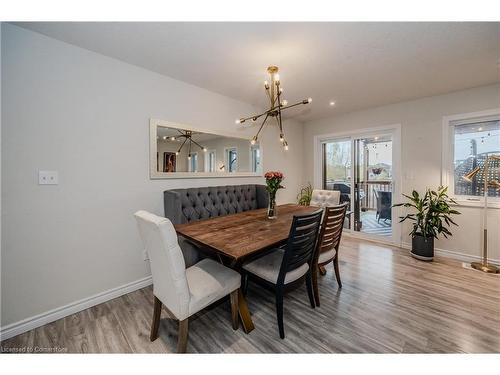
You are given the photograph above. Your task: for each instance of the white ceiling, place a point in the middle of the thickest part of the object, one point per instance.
(358, 65)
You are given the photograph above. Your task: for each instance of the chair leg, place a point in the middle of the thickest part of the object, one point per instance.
(310, 289)
(322, 270)
(337, 272)
(234, 309)
(315, 285)
(279, 312)
(155, 324)
(182, 340)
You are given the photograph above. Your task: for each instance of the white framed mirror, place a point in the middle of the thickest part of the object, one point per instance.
(181, 151)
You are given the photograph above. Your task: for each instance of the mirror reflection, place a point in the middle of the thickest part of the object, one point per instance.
(180, 150)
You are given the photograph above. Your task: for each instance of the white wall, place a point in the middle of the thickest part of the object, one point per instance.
(421, 122)
(87, 116)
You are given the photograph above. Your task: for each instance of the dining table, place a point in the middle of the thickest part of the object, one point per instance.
(236, 238)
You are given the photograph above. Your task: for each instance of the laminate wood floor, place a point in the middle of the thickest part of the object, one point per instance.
(389, 303)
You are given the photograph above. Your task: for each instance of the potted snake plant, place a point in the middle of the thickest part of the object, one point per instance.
(432, 218)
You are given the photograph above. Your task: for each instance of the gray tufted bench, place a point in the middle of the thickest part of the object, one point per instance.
(192, 204)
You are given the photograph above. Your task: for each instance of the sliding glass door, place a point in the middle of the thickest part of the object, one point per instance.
(361, 167)
(373, 185)
(337, 169)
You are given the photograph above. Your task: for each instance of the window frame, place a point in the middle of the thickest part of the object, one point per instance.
(253, 159)
(448, 154)
(227, 150)
(207, 160)
(194, 155)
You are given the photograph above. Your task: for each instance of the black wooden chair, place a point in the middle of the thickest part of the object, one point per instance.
(286, 266)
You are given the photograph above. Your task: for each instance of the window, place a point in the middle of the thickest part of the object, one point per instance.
(193, 162)
(232, 159)
(255, 152)
(210, 161)
(471, 139)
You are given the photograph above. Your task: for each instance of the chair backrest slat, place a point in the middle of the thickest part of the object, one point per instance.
(301, 243)
(331, 229)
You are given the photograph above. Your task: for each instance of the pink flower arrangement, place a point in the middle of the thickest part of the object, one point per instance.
(271, 175)
(273, 181)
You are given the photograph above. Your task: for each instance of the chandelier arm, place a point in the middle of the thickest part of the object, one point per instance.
(180, 131)
(190, 142)
(180, 148)
(278, 118)
(197, 144)
(256, 116)
(294, 105)
(268, 92)
(261, 126)
(280, 123)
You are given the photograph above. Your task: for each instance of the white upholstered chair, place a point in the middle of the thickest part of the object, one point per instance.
(325, 198)
(182, 291)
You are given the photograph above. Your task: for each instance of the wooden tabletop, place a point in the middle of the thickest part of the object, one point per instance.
(240, 235)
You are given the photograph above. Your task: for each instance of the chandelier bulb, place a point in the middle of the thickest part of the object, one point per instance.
(177, 153)
(237, 121)
(284, 102)
(281, 90)
(282, 139)
(277, 78)
(189, 157)
(266, 84)
(164, 137)
(204, 149)
(286, 147)
(254, 140)
(172, 138)
(309, 100)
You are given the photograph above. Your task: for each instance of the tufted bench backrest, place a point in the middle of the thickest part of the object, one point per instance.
(325, 198)
(186, 205)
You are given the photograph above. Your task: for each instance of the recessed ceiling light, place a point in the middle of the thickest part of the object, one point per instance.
(332, 103)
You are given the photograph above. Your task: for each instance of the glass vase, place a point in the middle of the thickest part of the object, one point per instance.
(272, 212)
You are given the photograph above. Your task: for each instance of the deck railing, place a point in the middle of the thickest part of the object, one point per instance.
(370, 200)
(368, 188)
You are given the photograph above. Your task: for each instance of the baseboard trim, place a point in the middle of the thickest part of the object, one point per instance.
(454, 254)
(441, 252)
(39, 320)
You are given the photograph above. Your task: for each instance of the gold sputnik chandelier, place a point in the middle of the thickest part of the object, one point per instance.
(274, 92)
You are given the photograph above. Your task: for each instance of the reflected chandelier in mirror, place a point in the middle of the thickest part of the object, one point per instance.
(180, 151)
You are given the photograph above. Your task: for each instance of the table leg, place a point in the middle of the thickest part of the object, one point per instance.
(246, 319)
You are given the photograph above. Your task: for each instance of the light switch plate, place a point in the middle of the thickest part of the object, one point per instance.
(48, 178)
